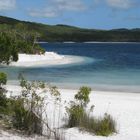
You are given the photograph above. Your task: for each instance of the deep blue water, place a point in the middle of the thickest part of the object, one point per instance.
(116, 67)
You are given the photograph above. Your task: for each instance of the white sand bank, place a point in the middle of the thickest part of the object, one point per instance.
(47, 59)
(124, 107)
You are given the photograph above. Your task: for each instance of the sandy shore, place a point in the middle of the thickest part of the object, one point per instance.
(124, 107)
(47, 59)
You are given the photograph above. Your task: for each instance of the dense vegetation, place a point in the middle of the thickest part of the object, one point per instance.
(3, 99)
(25, 111)
(3, 79)
(28, 111)
(60, 33)
(17, 39)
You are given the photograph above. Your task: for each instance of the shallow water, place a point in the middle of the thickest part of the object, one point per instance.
(116, 66)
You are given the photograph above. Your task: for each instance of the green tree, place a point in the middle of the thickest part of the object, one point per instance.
(83, 96)
(3, 79)
(77, 109)
(8, 50)
(3, 99)
(17, 39)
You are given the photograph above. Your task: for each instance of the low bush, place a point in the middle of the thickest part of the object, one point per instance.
(75, 115)
(3, 99)
(27, 107)
(78, 116)
(25, 119)
(76, 110)
(3, 79)
(103, 126)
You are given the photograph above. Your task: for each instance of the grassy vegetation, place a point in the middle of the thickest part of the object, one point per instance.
(60, 33)
(103, 126)
(79, 116)
(25, 112)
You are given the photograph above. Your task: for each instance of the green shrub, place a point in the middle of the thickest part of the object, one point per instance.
(75, 115)
(83, 96)
(78, 116)
(105, 126)
(77, 108)
(17, 39)
(24, 119)
(3, 79)
(19, 114)
(3, 99)
(27, 107)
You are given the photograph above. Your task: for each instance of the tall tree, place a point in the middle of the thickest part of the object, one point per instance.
(3, 79)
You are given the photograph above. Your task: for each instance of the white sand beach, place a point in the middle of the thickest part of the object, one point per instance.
(47, 59)
(124, 107)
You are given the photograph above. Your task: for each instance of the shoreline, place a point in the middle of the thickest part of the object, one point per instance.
(109, 92)
(48, 59)
(124, 108)
(52, 59)
(96, 87)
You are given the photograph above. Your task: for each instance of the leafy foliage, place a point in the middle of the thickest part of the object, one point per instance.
(3, 99)
(8, 50)
(28, 107)
(79, 116)
(75, 113)
(77, 109)
(83, 96)
(3, 79)
(25, 119)
(103, 126)
(17, 39)
(27, 112)
(60, 33)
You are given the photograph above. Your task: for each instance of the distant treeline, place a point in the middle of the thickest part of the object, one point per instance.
(61, 33)
(100, 36)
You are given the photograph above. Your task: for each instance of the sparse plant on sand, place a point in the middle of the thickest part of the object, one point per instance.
(30, 107)
(79, 116)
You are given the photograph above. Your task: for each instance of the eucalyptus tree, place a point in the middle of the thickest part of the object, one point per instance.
(16, 39)
(8, 50)
(3, 79)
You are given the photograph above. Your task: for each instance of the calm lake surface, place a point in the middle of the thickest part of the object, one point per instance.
(116, 66)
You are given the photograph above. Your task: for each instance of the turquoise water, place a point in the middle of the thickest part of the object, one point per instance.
(116, 66)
